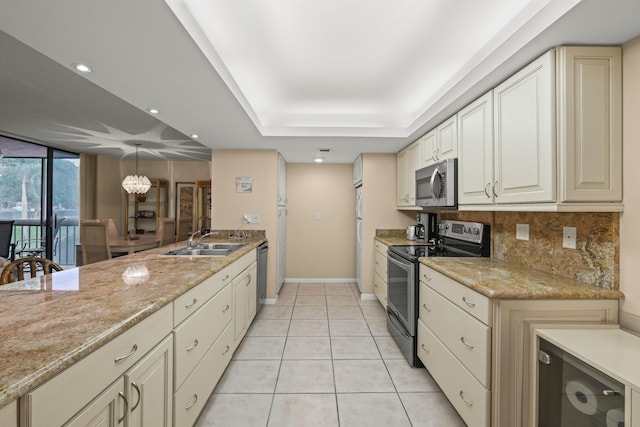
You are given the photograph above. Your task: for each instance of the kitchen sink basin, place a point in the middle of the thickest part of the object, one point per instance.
(207, 249)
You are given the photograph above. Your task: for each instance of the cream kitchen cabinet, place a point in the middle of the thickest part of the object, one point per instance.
(244, 302)
(409, 160)
(478, 348)
(9, 415)
(380, 274)
(442, 142)
(95, 386)
(556, 136)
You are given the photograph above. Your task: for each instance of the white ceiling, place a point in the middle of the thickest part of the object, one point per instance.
(295, 75)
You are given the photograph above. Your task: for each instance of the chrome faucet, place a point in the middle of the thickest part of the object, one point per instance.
(211, 233)
(238, 234)
(190, 240)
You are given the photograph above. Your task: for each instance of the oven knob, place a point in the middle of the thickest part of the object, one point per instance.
(476, 231)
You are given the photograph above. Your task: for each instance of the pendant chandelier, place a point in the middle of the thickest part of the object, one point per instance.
(135, 183)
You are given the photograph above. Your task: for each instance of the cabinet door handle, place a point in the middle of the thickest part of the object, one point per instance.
(226, 277)
(469, 346)
(126, 407)
(195, 344)
(194, 302)
(493, 189)
(426, 308)
(226, 350)
(226, 309)
(248, 279)
(465, 400)
(137, 389)
(424, 348)
(193, 402)
(121, 358)
(486, 190)
(470, 304)
(427, 278)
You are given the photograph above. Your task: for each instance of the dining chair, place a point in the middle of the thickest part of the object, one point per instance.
(7, 249)
(15, 270)
(166, 230)
(94, 241)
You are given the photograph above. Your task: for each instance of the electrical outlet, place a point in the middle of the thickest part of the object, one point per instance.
(317, 216)
(522, 231)
(569, 237)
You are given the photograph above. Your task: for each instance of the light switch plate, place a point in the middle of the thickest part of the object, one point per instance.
(569, 237)
(251, 218)
(522, 231)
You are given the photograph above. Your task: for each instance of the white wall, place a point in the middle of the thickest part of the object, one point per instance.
(630, 219)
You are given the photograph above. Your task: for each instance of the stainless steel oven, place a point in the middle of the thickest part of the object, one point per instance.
(456, 239)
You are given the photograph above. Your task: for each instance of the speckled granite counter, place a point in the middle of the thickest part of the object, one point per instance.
(395, 237)
(498, 279)
(51, 322)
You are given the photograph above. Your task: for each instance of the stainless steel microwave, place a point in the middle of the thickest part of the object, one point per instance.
(437, 185)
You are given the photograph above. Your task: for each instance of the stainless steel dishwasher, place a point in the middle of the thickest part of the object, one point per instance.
(261, 295)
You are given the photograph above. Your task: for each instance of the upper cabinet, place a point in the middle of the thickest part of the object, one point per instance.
(409, 160)
(548, 139)
(442, 142)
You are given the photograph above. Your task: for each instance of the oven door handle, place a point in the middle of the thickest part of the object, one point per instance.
(399, 261)
(398, 323)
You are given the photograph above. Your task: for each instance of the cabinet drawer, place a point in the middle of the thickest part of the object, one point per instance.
(194, 393)
(465, 336)
(380, 289)
(189, 302)
(243, 263)
(381, 265)
(381, 247)
(467, 299)
(471, 400)
(195, 335)
(90, 376)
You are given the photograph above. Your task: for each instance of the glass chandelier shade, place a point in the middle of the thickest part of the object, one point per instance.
(138, 184)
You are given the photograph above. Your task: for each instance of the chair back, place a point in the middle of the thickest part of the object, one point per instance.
(112, 227)
(166, 230)
(15, 270)
(94, 241)
(7, 249)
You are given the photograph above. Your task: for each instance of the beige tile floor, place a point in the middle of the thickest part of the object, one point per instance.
(323, 357)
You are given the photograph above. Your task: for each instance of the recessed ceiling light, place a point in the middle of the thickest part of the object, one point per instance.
(194, 135)
(82, 68)
(153, 110)
(318, 160)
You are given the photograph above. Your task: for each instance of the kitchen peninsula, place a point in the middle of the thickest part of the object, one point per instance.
(54, 324)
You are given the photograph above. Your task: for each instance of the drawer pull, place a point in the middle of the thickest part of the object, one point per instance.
(248, 279)
(469, 346)
(226, 277)
(195, 400)
(426, 277)
(426, 308)
(425, 348)
(470, 304)
(226, 350)
(194, 302)
(137, 389)
(126, 407)
(195, 344)
(465, 400)
(121, 358)
(375, 285)
(226, 309)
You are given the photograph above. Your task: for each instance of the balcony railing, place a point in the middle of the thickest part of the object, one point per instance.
(28, 234)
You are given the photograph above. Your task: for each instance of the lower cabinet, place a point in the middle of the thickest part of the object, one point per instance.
(108, 409)
(244, 302)
(9, 415)
(380, 274)
(478, 349)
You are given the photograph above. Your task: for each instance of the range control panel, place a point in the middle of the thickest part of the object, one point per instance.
(463, 230)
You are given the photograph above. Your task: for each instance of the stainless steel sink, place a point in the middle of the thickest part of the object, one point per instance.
(207, 249)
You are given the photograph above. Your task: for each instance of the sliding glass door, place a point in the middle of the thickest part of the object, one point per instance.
(39, 191)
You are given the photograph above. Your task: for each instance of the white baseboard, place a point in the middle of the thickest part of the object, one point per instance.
(629, 321)
(320, 280)
(270, 300)
(368, 297)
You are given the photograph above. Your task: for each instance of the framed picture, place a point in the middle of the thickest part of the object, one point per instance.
(185, 209)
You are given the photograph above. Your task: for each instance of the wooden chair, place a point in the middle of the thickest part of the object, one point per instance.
(94, 241)
(7, 249)
(166, 230)
(14, 271)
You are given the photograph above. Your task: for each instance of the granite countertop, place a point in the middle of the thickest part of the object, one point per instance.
(395, 237)
(498, 279)
(51, 322)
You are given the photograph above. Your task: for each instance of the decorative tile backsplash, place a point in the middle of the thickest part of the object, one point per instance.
(595, 260)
